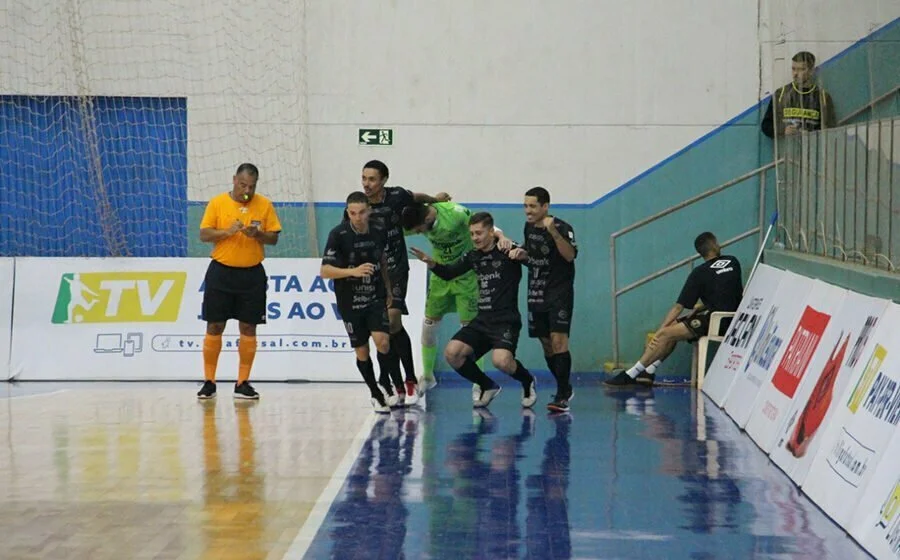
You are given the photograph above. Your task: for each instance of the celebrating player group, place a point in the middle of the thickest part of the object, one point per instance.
(475, 271)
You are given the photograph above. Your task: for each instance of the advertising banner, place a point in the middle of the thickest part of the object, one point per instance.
(849, 337)
(876, 523)
(741, 333)
(769, 345)
(857, 436)
(802, 345)
(139, 319)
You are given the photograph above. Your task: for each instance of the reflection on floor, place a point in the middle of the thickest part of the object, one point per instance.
(143, 471)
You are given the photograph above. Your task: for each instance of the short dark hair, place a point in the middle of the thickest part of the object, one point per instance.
(482, 218)
(357, 197)
(540, 193)
(378, 166)
(249, 169)
(704, 243)
(413, 215)
(805, 57)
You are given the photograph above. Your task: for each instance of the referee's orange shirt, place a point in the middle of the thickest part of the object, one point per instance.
(239, 250)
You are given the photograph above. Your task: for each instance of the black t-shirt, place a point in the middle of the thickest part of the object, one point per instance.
(717, 282)
(346, 248)
(498, 281)
(387, 214)
(551, 278)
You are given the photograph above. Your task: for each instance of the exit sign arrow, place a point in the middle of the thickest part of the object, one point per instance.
(376, 137)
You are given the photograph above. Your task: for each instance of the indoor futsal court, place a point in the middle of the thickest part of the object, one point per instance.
(144, 470)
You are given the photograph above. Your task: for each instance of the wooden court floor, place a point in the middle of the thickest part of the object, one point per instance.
(141, 470)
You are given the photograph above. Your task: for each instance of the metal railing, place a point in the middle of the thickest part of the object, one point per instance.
(839, 193)
(877, 101)
(687, 261)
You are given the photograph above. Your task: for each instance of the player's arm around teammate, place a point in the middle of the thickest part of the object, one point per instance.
(387, 205)
(238, 223)
(496, 327)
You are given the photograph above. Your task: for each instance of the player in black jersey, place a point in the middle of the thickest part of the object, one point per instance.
(355, 258)
(717, 283)
(497, 324)
(387, 205)
(551, 250)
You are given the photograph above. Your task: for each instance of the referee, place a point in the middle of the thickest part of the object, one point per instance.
(238, 224)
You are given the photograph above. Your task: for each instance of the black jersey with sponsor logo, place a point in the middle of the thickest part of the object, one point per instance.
(551, 278)
(347, 248)
(717, 282)
(498, 280)
(387, 214)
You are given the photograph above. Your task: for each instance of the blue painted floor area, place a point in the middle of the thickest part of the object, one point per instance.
(627, 474)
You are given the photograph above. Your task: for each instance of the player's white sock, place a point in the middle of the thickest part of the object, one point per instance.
(651, 369)
(635, 370)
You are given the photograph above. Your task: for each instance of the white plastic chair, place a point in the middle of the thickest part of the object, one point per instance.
(700, 350)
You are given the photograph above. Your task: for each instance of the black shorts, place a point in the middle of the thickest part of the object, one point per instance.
(483, 335)
(399, 282)
(554, 318)
(698, 323)
(361, 324)
(234, 293)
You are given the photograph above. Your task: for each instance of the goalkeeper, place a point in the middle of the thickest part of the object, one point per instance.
(446, 226)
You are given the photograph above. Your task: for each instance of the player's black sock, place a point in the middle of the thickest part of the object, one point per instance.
(551, 364)
(563, 362)
(394, 369)
(387, 363)
(473, 373)
(368, 374)
(401, 342)
(522, 375)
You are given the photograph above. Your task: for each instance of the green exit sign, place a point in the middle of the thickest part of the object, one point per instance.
(375, 137)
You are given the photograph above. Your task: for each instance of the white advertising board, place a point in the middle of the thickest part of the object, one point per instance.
(139, 319)
(858, 434)
(769, 345)
(849, 337)
(741, 333)
(876, 523)
(7, 267)
(776, 395)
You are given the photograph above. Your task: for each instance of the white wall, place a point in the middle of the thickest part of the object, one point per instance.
(822, 27)
(486, 97)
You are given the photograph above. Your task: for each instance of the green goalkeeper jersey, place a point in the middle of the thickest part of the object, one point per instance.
(450, 234)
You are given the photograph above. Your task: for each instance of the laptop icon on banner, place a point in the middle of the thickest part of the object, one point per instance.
(109, 344)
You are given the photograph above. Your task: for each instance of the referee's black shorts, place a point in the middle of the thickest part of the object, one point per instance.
(234, 293)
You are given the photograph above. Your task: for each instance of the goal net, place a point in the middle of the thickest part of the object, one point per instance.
(119, 120)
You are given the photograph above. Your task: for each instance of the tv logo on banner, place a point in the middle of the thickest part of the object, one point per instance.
(118, 297)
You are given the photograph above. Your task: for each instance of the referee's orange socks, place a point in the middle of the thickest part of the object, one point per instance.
(212, 346)
(246, 353)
